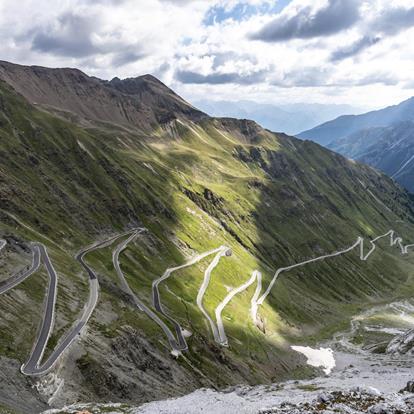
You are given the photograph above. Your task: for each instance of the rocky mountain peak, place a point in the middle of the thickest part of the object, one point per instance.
(143, 102)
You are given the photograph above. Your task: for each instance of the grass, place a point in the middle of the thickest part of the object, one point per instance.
(7, 410)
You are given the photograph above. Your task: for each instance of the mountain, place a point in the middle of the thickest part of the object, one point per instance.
(83, 161)
(141, 103)
(343, 126)
(289, 118)
(390, 149)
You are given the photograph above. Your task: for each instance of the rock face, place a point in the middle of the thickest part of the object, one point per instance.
(402, 344)
(409, 387)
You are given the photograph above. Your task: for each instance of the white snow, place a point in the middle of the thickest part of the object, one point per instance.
(322, 357)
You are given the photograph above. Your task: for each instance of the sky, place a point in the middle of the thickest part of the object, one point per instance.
(356, 52)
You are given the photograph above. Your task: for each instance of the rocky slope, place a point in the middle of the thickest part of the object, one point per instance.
(82, 159)
(142, 103)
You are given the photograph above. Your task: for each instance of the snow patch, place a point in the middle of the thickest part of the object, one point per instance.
(322, 357)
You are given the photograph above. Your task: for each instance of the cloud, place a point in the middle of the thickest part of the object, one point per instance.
(126, 38)
(77, 36)
(389, 22)
(304, 77)
(71, 35)
(354, 48)
(188, 77)
(394, 20)
(221, 59)
(126, 57)
(375, 78)
(336, 16)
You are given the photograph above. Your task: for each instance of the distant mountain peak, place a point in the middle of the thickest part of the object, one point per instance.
(341, 127)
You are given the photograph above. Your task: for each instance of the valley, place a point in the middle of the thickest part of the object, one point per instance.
(194, 220)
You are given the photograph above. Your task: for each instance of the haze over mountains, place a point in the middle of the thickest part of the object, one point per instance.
(288, 118)
(383, 139)
(83, 160)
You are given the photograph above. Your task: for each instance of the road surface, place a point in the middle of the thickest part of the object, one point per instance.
(176, 347)
(156, 294)
(257, 300)
(222, 251)
(20, 277)
(178, 343)
(32, 366)
(256, 275)
(40, 255)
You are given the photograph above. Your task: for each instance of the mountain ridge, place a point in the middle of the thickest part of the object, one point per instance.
(331, 131)
(390, 149)
(97, 100)
(289, 118)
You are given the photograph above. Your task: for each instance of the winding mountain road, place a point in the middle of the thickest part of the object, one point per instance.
(40, 255)
(176, 347)
(258, 300)
(256, 275)
(13, 281)
(177, 342)
(222, 251)
(156, 294)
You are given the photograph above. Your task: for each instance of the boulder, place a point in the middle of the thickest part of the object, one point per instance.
(402, 344)
(409, 387)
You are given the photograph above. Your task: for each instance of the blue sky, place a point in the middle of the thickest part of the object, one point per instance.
(219, 13)
(356, 52)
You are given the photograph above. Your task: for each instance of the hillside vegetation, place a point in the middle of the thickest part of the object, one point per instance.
(69, 177)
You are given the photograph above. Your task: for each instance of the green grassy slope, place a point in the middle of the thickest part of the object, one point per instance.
(273, 199)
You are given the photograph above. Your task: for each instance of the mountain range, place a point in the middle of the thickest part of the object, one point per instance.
(288, 118)
(383, 139)
(84, 160)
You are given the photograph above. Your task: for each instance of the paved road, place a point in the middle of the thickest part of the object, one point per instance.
(32, 367)
(175, 346)
(40, 255)
(408, 246)
(222, 251)
(256, 275)
(20, 277)
(156, 300)
(256, 301)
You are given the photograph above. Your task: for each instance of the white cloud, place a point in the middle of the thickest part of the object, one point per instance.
(366, 59)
